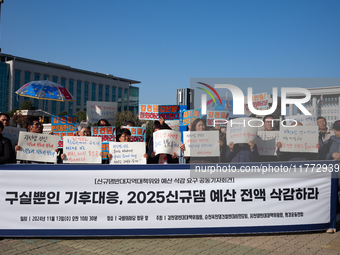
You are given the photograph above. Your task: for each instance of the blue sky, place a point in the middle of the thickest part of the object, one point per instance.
(165, 43)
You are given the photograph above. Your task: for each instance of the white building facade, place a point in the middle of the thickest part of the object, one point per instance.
(83, 85)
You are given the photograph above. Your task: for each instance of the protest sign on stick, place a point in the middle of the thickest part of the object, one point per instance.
(101, 110)
(166, 141)
(190, 115)
(201, 144)
(127, 153)
(108, 134)
(37, 147)
(82, 149)
(155, 112)
(137, 133)
(63, 126)
(217, 118)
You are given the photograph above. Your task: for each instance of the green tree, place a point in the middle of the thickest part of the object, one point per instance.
(11, 113)
(62, 113)
(123, 117)
(80, 116)
(27, 105)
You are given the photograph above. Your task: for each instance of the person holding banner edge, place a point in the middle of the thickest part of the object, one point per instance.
(200, 125)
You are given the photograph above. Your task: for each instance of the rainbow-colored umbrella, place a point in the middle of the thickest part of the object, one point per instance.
(46, 90)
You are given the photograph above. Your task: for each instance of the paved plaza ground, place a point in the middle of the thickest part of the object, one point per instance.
(274, 244)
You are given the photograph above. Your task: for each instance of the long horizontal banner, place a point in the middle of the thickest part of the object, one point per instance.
(146, 200)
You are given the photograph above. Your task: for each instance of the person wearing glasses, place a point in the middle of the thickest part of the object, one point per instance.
(33, 125)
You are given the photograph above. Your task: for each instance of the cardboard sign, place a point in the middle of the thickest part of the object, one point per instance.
(266, 142)
(127, 153)
(190, 115)
(299, 139)
(217, 118)
(137, 133)
(239, 131)
(101, 110)
(166, 141)
(12, 133)
(260, 100)
(155, 112)
(63, 126)
(173, 124)
(201, 143)
(37, 147)
(82, 149)
(306, 120)
(107, 134)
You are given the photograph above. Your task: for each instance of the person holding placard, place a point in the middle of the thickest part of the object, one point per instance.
(33, 126)
(200, 125)
(295, 156)
(123, 136)
(6, 150)
(84, 129)
(152, 158)
(242, 152)
(270, 127)
(331, 148)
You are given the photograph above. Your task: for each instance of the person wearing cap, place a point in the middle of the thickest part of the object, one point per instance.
(331, 148)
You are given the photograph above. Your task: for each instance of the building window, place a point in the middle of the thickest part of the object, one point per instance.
(4, 86)
(119, 99)
(86, 94)
(133, 99)
(16, 87)
(70, 103)
(125, 99)
(107, 93)
(78, 95)
(27, 77)
(46, 77)
(62, 104)
(100, 92)
(93, 92)
(113, 94)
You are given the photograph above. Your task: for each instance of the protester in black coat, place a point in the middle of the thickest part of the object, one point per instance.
(6, 150)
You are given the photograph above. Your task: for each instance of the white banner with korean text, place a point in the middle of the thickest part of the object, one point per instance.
(139, 202)
(37, 147)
